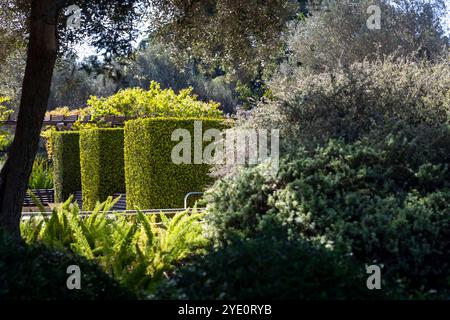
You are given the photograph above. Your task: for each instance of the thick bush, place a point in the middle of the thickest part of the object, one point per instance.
(381, 203)
(102, 165)
(268, 267)
(152, 179)
(66, 164)
(364, 99)
(155, 102)
(36, 272)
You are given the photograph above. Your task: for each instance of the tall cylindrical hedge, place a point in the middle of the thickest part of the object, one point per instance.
(102, 164)
(153, 180)
(66, 164)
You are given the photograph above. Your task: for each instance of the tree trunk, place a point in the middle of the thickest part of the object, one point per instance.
(41, 58)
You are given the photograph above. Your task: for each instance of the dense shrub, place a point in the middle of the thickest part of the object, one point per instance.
(383, 204)
(102, 165)
(38, 272)
(365, 99)
(66, 164)
(155, 102)
(136, 251)
(268, 267)
(152, 179)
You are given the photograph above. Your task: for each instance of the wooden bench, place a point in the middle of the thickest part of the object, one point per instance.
(61, 120)
(121, 205)
(45, 196)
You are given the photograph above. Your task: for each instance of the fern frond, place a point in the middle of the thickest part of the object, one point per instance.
(36, 201)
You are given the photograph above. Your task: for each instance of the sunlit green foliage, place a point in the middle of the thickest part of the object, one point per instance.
(41, 175)
(66, 164)
(153, 180)
(138, 251)
(5, 136)
(102, 165)
(136, 102)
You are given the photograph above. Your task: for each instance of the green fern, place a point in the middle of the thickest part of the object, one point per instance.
(36, 201)
(137, 251)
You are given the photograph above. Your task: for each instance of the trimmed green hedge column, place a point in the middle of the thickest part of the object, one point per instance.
(153, 181)
(102, 165)
(66, 164)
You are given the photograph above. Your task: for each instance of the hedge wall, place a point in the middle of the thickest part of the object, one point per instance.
(102, 165)
(152, 179)
(66, 164)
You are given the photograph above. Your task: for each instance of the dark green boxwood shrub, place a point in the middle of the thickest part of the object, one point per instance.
(37, 272)
(152, 179)
(383, 204)
(66, 164)
(102, 165)
(269, 267)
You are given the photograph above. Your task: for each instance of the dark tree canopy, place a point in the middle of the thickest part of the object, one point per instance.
(12, 27)
(233, 34)
(229, 32)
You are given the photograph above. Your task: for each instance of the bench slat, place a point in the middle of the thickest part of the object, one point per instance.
(47, 196)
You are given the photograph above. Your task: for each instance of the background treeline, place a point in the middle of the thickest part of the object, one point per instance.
(320, 36)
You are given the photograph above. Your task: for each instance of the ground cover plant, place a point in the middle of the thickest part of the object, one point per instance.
(268, 266)
(39, 272)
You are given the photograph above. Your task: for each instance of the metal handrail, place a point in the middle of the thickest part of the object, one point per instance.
(124, 212)
(188, 196)
(130, 212)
